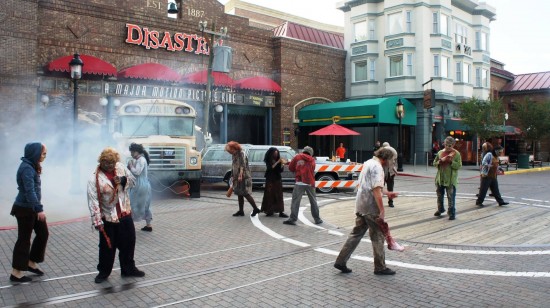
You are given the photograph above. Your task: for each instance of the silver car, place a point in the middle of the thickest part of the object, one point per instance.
(216, 165)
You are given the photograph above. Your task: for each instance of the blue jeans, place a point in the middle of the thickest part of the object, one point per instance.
(451, 195)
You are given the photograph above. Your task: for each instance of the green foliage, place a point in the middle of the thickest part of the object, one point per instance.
(533, 119)
(484, 118)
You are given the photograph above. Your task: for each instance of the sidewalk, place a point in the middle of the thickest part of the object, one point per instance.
(467, 171)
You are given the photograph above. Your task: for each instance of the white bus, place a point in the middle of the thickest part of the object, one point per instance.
(166, 128)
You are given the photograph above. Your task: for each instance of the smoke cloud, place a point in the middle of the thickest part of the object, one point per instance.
(63, 193)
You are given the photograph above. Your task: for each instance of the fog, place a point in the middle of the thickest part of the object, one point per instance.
(52, 125)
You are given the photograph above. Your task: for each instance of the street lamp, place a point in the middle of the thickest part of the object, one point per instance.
(400, 111)
(75, 65)
(504, 138)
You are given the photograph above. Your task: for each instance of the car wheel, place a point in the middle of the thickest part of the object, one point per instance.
(325, 177)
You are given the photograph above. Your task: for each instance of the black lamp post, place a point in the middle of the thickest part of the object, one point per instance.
(400, 111)
(76, 65)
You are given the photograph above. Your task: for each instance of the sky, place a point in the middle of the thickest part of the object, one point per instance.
(519, 35)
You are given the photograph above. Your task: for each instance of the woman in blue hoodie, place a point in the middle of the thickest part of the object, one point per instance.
(29, 212)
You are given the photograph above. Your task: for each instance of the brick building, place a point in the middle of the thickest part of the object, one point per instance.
(513, 89)
(32, 85)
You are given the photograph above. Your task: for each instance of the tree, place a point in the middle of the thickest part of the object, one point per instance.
(534, 121)
(484, 118)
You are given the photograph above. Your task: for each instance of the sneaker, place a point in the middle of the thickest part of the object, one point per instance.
(386, 271)
(148, 229)
(344, 269)
(133, 273)
(100, 278)
(289, 222)
(437, 213)
(22, 279)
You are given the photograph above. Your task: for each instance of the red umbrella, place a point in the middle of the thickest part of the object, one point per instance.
(334, 130)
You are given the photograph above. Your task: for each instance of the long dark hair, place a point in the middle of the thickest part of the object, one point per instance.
(268, 158)
(134, 147)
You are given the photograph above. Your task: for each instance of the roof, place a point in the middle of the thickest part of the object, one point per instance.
(503, 73)
(308, 34)
(528, 82)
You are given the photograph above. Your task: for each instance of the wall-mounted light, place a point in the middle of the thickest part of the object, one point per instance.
(44, 99)
(172, 8)
(116, 102)
(218, 108)
(103, 101)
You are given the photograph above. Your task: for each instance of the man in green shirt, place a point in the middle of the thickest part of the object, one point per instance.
(447, 162)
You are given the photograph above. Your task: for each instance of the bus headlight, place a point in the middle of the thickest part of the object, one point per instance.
(193, 161)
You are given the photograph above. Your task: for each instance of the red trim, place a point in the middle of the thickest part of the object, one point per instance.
(258, 83)
(152, 71)
(200, 77)
(92, 65)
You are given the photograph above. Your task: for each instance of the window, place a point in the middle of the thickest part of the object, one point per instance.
(466, 73)
(458, 71)
(478, 77)
(360, 31)
(484, 78)
(409, 64)
(408, 15)
(372, 69)
(360, 71)
(444, 25)
(435, 22)
(445, 61)
(395, 23)
(481, 41)
(396, 65)
(461, 34)
(372, 33)
(436, 66)
(440, 23)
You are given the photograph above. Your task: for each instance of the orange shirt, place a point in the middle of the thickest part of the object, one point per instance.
(340, 152)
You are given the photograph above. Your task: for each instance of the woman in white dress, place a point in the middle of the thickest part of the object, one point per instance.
(140, 194)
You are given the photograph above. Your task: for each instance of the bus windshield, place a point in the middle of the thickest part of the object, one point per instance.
(150, 125)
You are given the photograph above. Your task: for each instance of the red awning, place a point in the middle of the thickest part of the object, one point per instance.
(92, 65)
(258, 83)
(200, 77)
(152, 71)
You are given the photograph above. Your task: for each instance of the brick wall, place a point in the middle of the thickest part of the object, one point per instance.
(51, 29)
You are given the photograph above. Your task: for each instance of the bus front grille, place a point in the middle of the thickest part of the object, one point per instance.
(167, 158)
